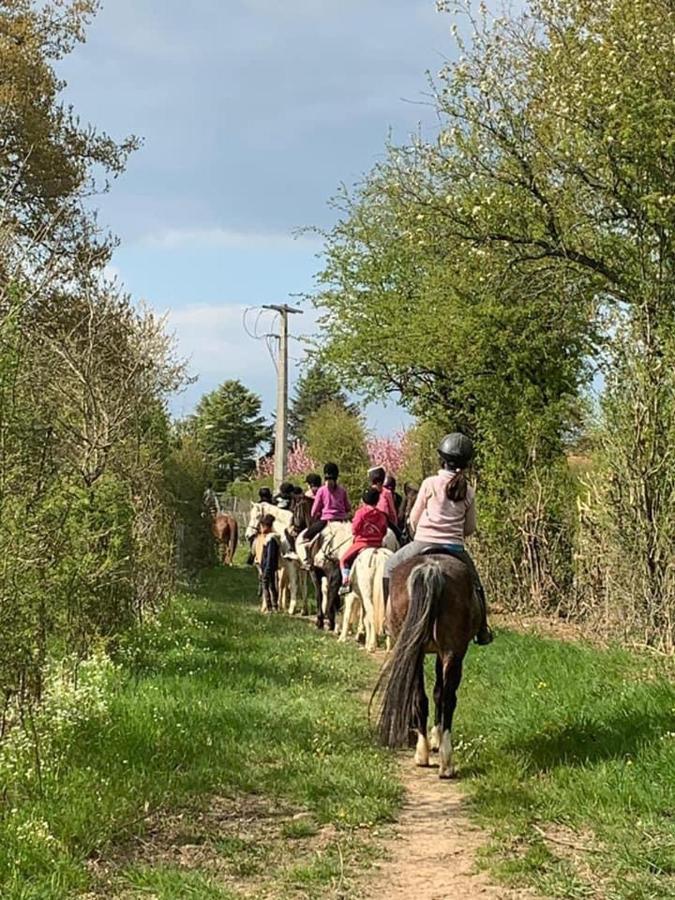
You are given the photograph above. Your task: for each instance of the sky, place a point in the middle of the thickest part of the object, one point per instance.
(252, 113)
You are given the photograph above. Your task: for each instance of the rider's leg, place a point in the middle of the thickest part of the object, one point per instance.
(346, 562)
(401, 556)
(484, 635)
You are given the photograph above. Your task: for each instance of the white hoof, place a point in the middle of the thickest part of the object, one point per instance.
(435, 738)
(422, 751)
(446, 767)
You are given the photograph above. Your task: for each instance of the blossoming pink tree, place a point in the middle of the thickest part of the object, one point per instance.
(299, 462)
(389, 452)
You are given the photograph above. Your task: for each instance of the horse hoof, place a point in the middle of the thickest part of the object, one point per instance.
(422, 752)
(447, 774)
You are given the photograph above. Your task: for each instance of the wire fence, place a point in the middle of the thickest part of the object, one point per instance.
(237, 507)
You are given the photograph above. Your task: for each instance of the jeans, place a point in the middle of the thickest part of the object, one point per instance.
(417, 547)
(270, 591)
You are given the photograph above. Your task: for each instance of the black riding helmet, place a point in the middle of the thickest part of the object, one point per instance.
(456, 449)
(330, 470)
(313, 480)
(377, 474)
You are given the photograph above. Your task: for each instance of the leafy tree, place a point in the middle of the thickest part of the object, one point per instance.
(497, 260)
(316, 387)
(336, 435)
(86, 531)
(230, 427)
(49, 160)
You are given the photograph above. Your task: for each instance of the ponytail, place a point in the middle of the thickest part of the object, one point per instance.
(457, 488)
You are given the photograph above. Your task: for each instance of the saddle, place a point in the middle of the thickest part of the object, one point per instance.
(443, 550)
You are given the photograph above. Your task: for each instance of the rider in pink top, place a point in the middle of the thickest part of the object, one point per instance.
(444, 515)
(385, 503)
(331, 503)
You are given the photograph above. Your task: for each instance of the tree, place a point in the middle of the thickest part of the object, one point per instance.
(336, 435)
(533, 235)
(230, 427)
(316, 387)
(49, 161)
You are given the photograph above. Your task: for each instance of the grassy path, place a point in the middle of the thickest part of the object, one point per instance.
(239, 754)
(232, 758)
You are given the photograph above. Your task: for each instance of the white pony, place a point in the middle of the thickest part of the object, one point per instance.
(365, 602)
(335, 539)
(292, 577)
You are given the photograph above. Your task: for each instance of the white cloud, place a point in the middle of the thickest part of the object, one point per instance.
(173, 238)
(214, 339)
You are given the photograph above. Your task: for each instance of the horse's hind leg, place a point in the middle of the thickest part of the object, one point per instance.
(421, 714)
(436, 733)
(452, 676)
(317, 578)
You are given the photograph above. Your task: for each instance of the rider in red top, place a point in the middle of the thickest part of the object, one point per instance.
(369, 527)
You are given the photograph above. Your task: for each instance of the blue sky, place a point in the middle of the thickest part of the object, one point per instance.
(252, 113)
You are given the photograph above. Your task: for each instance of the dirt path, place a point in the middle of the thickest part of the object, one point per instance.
(434, 855)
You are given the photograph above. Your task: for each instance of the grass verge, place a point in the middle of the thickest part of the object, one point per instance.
(228, 756)
(569, 758)
(231, 757)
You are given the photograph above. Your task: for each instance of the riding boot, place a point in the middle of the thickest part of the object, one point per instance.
(484, 635)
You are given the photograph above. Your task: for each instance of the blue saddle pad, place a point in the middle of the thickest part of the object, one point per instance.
(444, 550)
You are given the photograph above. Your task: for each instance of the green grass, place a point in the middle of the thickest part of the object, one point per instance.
(217, 702)
(234, 758)
(569, 756)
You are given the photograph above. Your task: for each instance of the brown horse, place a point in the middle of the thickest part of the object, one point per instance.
(410, 492)
(432, 609)
(225, 531)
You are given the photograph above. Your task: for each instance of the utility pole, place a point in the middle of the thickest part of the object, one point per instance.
(281, 433)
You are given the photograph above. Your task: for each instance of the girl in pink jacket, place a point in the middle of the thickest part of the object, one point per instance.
(444, 515)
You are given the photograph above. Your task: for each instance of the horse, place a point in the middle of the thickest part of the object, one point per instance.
(410, 495)
(366, 596)
(225, 531)
(292, 578)
(432, 609)
(330, 544)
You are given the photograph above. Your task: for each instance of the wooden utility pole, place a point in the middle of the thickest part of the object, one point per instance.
(281, 433)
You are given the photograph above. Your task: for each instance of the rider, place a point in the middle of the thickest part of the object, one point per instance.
(390, 485)
(377, 478)
(265, 495)
(369, 527)
(284, 499)
(331, 503)
(444, 514)
(313, 482)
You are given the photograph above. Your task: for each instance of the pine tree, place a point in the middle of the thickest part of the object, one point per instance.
(229, 426)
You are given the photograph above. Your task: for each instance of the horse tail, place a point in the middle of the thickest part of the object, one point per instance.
(234, 538)
(399, 679)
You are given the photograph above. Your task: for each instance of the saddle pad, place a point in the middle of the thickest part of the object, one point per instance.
(444, 550)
